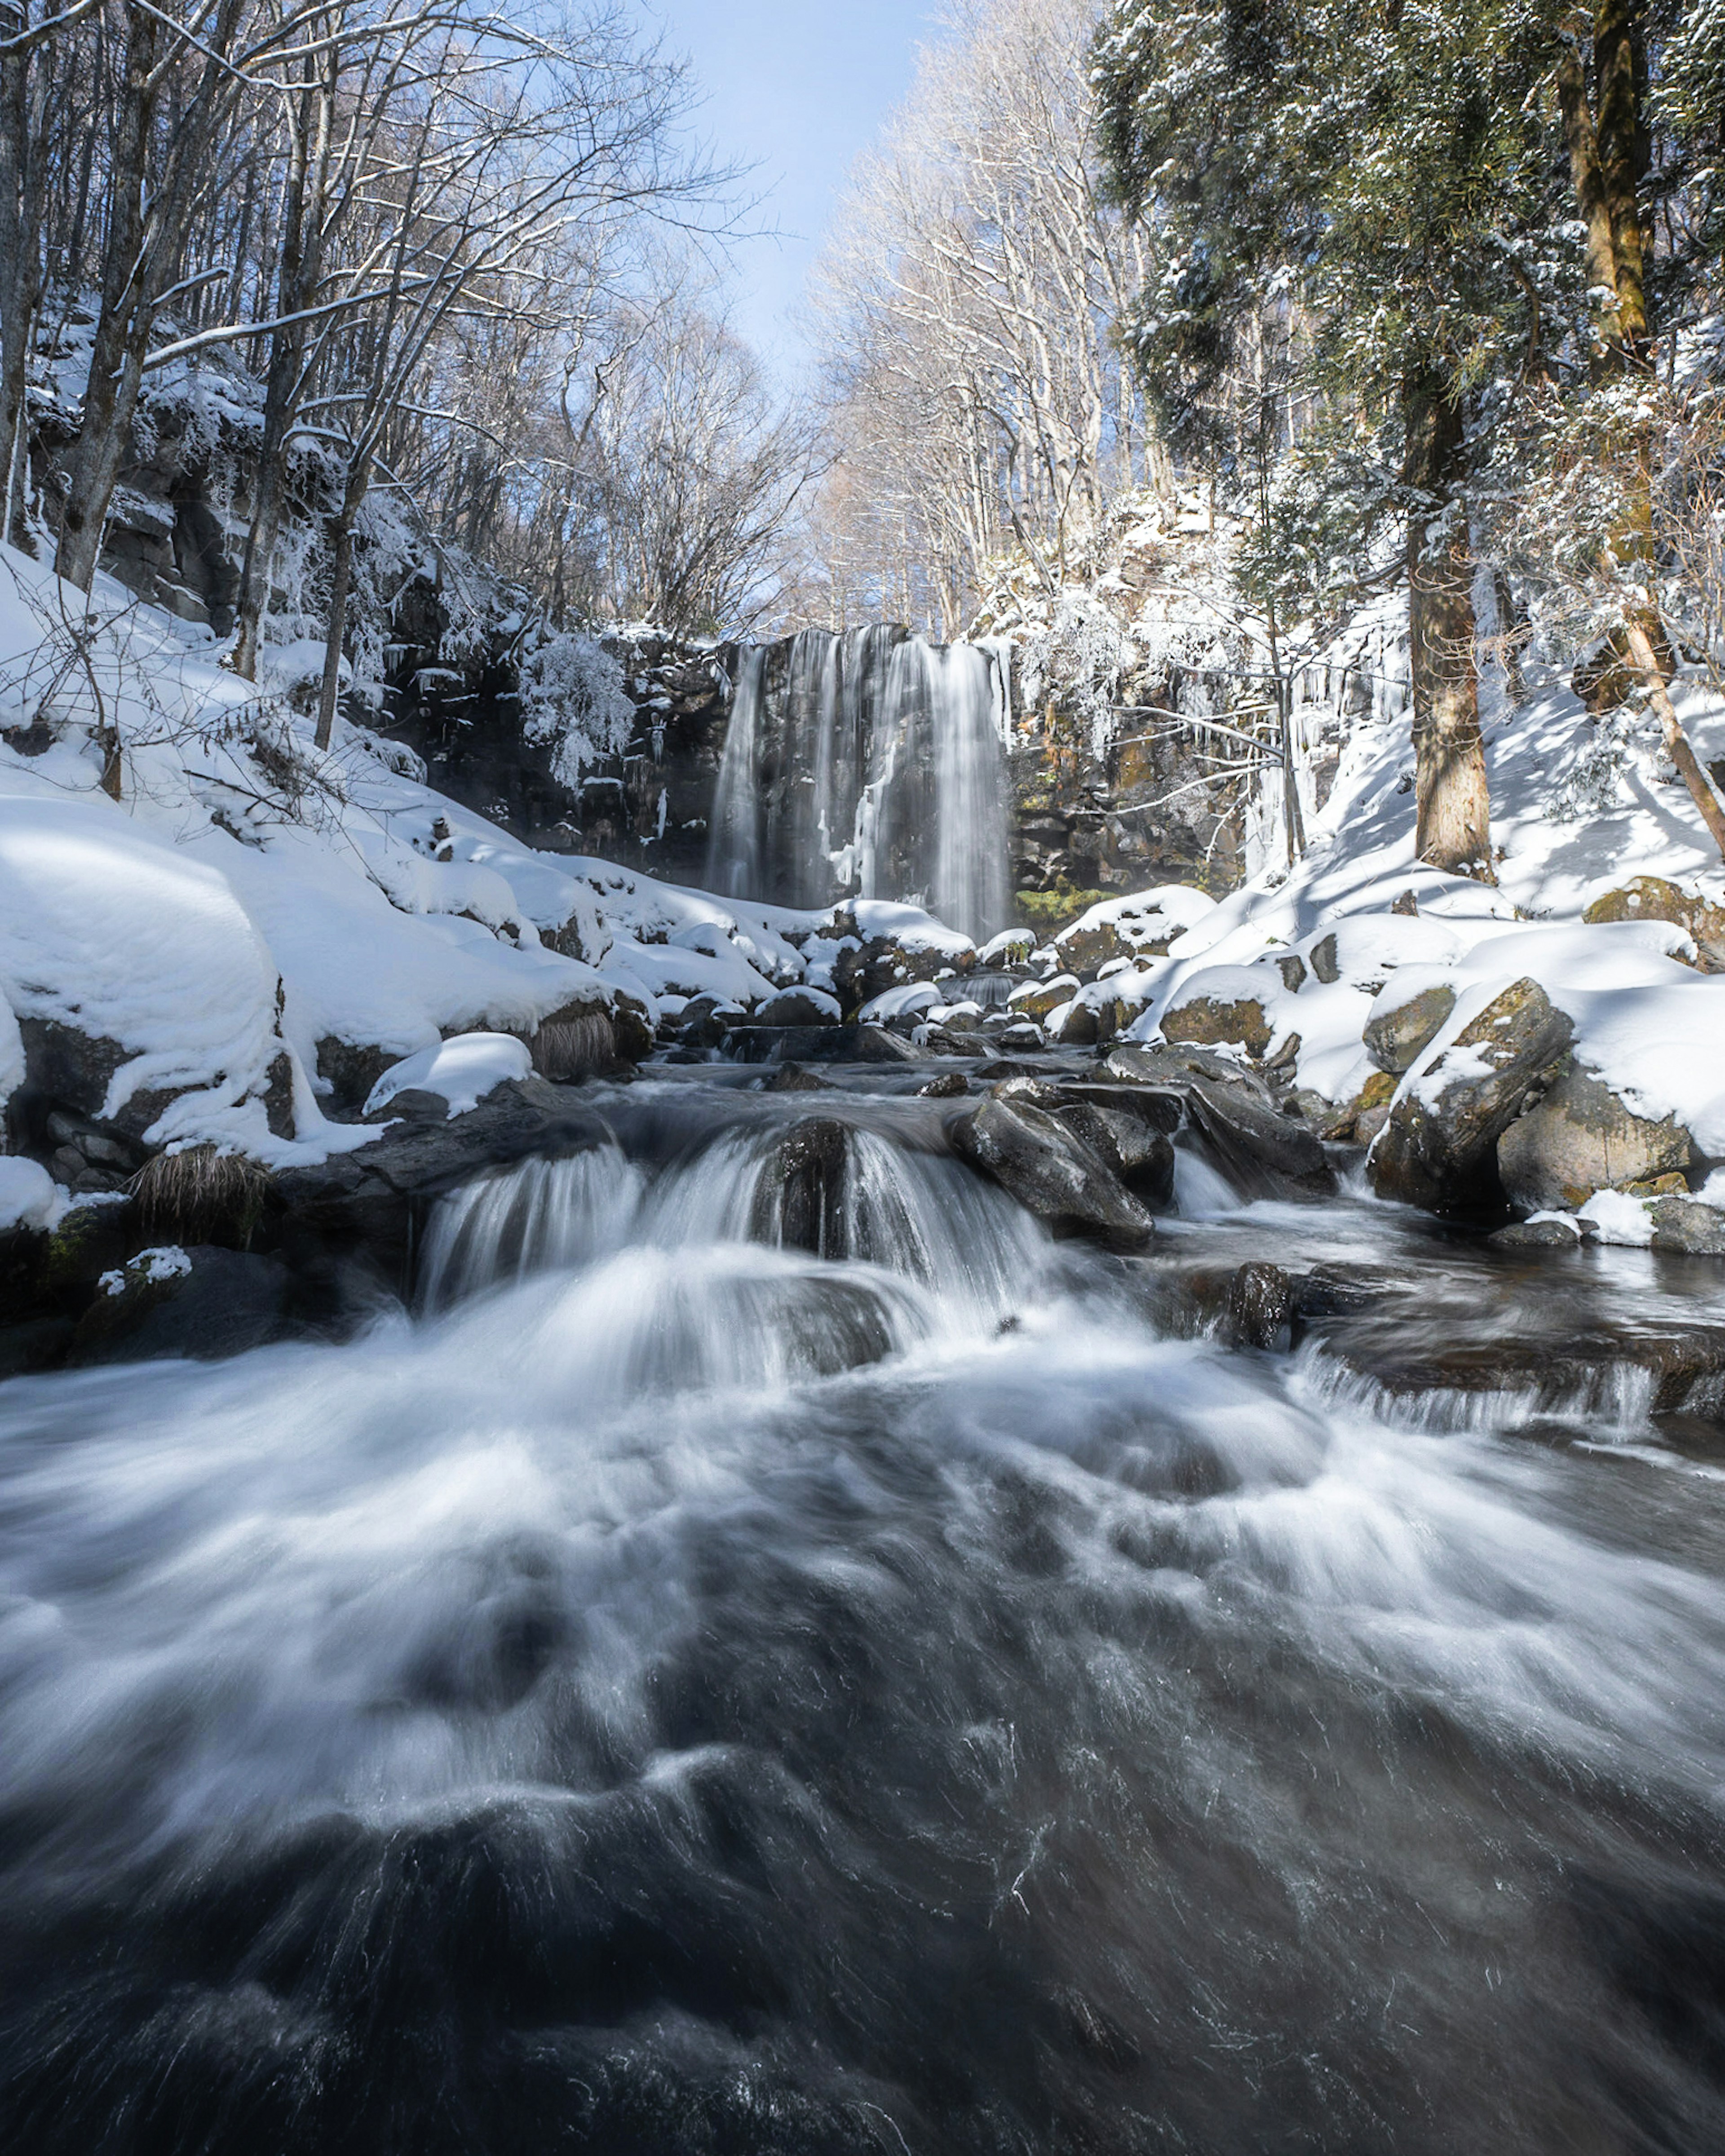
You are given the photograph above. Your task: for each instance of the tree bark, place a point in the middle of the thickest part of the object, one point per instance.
(1454, 825)
(1616, 43)
(21, 129)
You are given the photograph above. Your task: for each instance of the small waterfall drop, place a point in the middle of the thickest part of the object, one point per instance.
(867, 765)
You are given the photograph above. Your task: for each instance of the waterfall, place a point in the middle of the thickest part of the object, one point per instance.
(867, 765)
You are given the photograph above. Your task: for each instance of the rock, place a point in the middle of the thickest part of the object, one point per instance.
(705, 1020)
(1051, 1172)
(1162, 1107)
(876, 1044)
(1580, 1138)
(1021, 1038)
(1538, 1235)
(1138, 926)
(1652, 898)
(946, 1087)
(1262, 1152)
(1397, 1037)
(73, 1070)
(351, 1069)
(88, 1241)
(796, 1007)
(797, 1078)
(1438, 1148)
(1220, 1005)
(1360, 1119)
(1037, 999)
(1685, 1224)
(368, 1199)
(1293, 969)
(1139, 1153)
(1261, 1306)
(222, 1303)
(800, 1197)
(1366, 948)
(1172, 1064)
(865, 969)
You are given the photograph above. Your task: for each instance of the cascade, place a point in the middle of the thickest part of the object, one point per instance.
(869, 764)
(779, 1654)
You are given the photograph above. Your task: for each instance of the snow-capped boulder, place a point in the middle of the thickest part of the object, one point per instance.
(1141, 924)
(799, 1006)
(1223, 1005)
(883, 945)
(1366, 948)
(459, 1071)
(1438, 1147)
(1579, 1138)
(1037, 1000)
(144, 996)
(1654, 898)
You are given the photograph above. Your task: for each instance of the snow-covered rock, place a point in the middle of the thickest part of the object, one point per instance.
(461, 1070)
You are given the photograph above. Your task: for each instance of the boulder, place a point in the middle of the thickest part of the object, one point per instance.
(1037, 999)
(1686, 1224)
(1172, 1064)
(1438, 1148)
(946, 1087)
(1397, 1033)
(369, 1198)
(797, 1007)
(876, 1044)
(800, 1196)
(1262, 1152)
(1142, 1155)
(1051, 1172)
(1261, 1306)
(1221, 1003)
(1538, 1235)
(797, 1078)
(1140, 926)
(204, 1302)
(1652, 898)
(1579, 1138)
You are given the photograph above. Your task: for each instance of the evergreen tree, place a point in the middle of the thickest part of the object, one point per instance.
(1391, 171)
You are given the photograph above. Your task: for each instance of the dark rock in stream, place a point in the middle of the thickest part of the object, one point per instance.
(222, 1303)
(367, 1199)
(1051, 1171)
(800, 1196)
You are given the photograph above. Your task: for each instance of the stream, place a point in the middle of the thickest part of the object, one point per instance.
(738, 1671)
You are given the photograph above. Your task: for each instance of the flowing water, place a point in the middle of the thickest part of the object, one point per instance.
(775, 1655)
(866, 765)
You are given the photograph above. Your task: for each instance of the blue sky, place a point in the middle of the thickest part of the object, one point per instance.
(795, 87)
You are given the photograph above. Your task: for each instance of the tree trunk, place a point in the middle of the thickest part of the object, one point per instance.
(111, 392)
(20, 272)
(1616, 46)
(340, 581)
(1454, 826)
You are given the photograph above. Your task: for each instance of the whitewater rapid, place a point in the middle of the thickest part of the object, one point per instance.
(675, 1691)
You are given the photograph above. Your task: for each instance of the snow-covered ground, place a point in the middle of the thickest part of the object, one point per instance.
(248, 897)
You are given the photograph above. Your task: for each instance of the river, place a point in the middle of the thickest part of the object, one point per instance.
(670, 1692)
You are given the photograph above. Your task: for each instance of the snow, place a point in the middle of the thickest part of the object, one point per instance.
(28, 1195)
(148, 1269)
(1618, 1217)
(104, 928)
(462, 1070)
(911, 996)
(1144, 916)
(912, 928)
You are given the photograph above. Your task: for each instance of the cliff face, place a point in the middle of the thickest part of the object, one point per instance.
(1101, 797)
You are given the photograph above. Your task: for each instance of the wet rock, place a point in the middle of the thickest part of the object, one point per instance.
(865, 969)
(88, 1241)
(1579, 1138)
(1261, 1306)
(1163, 1108)
(797, 1078)
(1396, 1039)
(1051, 1172)
(1140, 1154)
(800, 1197)
(946, 1087)
(222, 1302)
(1262, 1152)
(876, 1044)
(1438, 1148)
(1686, 1224)
(1022, 1037)
(1653, 898)
(367, 1199)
